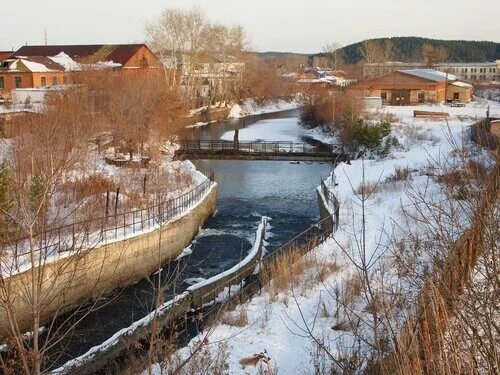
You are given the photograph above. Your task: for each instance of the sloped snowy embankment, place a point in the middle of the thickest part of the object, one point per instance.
(277, 324)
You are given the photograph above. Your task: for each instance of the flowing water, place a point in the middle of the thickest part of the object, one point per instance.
(283, 191)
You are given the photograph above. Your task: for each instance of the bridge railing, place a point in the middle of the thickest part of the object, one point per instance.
(250, 146)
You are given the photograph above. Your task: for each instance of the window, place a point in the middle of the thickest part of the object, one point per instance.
(43, 81)
(383, 95)
(456, 96)
(18, 82)
(144, 62)
(54, 80)
(2, 83)
(466, 70)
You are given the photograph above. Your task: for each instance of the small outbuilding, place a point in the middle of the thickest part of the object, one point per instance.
(460, 91)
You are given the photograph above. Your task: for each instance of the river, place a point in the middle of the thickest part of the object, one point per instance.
(283, 191)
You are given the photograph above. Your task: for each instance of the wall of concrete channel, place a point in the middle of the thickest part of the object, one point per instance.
(195, 297)
(99, 357)
(71, 281)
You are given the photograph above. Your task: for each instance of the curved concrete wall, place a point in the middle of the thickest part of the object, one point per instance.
(69, 282)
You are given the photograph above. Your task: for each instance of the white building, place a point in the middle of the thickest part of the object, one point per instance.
(472, 71)
(486, 71)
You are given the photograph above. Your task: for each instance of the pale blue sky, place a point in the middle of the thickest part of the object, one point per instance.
(280, 25)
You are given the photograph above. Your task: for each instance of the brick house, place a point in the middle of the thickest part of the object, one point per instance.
(405, 87)
(41, 66)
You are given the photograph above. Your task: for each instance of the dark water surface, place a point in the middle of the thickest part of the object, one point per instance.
(283, 191)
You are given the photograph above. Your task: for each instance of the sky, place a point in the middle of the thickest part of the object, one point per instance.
(272, 25)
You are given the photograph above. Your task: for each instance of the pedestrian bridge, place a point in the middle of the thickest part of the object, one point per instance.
(259, 150)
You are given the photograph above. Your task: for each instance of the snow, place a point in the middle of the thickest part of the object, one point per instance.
(248, 259)
(461, 84)
(107, 65)
(67, 62)
(66, 368)
(251, 107)
(35, 67)
(275, 323)
(283, 129)
(186, 252)
(198, 282)
(21, 263)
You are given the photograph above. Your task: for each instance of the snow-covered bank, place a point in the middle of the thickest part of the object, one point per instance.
(251, 107)
(280, 325)
(283, 129)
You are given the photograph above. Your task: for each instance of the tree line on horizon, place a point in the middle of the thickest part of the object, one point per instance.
(409, 49)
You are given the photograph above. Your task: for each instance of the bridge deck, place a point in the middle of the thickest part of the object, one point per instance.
(227, 150)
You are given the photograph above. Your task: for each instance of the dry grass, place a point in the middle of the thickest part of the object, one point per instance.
(292, 270)
(352, 290)
(367, 188)
(283, 271)
(237, 318)
(399, 174)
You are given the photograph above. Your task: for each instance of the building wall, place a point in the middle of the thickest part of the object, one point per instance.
(472, 71)
(9, 82)
(71, 281)
(478, 71)
(31, 80)
(60, 78)
(464, 93)
(136, 60)
(434, 92)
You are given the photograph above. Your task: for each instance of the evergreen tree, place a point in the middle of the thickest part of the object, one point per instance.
(35, 191)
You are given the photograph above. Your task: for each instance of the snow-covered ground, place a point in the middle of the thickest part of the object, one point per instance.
(283, 129)
(17, 259)
(279, 324)
(250, 107)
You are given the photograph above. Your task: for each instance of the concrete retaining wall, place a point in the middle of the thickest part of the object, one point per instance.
(69, 282)
(193, 298)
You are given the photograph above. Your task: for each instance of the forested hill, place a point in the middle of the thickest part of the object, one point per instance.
(409, 49)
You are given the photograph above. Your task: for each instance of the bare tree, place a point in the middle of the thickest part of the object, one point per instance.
(376, 51)
(434, 55)
(334, 54)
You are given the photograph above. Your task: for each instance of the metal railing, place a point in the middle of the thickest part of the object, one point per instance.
(113, 227)
(331, 200)
(177, 307)
(250, 146)
(480, 133)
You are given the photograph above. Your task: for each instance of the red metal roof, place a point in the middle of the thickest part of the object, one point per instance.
(118, 53)
(4, 55)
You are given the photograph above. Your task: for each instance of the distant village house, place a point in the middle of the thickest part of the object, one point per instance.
(35, 67)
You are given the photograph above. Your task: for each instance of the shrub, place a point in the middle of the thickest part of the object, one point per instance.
(235, 318)
(364, 138)
(399, 174)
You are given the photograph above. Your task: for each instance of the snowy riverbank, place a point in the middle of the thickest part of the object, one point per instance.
(283, 325)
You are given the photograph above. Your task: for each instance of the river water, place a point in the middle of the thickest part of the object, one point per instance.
(283, 191)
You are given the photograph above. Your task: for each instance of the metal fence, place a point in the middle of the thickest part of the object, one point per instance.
(480, 133)
(331, 200)
(113, 227)
(249, 146)
(303, 243)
